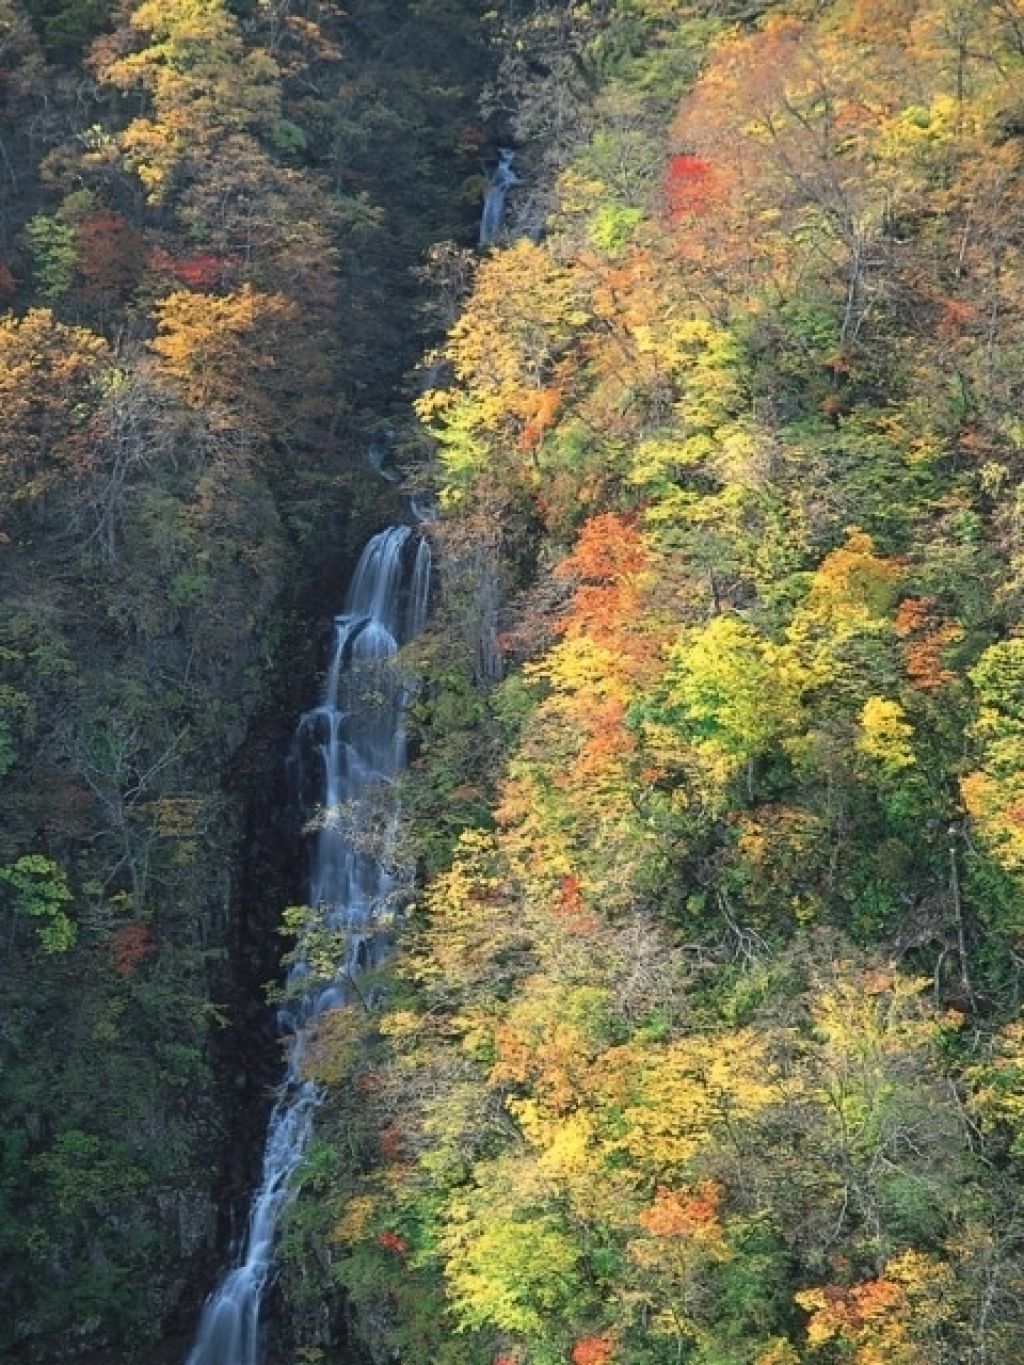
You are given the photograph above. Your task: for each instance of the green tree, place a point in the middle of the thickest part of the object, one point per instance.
(40, 892)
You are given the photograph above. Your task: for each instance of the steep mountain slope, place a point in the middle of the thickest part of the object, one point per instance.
(208, 221)
(704, 1042)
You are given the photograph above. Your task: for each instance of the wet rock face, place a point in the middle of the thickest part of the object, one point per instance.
(196, 1218)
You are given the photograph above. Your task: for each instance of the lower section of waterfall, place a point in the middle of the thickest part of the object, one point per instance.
(500, 181)
(347, 752)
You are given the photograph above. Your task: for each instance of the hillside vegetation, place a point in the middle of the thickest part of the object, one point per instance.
(703, 1044)
(206, 228)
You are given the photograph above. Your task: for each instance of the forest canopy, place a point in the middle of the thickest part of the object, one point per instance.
(701, 1043)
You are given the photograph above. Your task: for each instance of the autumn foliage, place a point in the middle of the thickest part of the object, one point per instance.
(697, 1037)
(130, 946)
(691, 186)
(680, 1065)
(593, 1351)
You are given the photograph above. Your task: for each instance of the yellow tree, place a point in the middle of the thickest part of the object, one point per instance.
(52, 382)
(728, 697)
(881, 1123)
(521, 319)
(246, 360)
(994, 792)
(191, 60)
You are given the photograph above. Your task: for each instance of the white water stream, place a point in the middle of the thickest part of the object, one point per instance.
(502, 178)
(348, 751)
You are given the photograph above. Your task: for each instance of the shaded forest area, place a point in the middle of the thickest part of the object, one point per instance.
(208, 217)
(703, 1044)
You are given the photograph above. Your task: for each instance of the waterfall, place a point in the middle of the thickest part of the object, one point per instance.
(380, 448)
(503, 177)
(347, 752)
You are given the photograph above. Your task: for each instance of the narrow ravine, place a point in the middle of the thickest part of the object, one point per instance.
(347, 752)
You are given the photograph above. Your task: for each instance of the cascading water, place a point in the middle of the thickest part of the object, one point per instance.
(380, 449)
(347, 753)
(503, 177)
